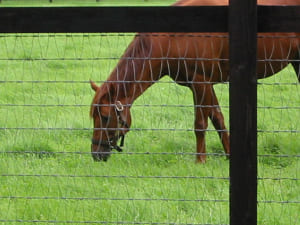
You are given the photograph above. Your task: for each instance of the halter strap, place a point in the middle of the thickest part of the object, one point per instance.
(98, 142)
(119, 109)
(109, 143)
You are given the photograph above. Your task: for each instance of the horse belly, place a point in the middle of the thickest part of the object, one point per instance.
(274, 52)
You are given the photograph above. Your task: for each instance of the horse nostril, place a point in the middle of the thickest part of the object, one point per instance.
(100, 154)
(105, 155)
(101, 150)
(96, 156)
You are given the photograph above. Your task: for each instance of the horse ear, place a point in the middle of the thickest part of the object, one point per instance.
(94, 86)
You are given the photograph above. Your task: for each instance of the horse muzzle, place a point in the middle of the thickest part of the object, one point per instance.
(101, 150)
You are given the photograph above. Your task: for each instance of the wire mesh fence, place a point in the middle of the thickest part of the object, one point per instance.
(277, 145)
(47, 171)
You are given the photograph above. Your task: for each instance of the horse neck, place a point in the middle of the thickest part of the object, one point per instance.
(136, 71)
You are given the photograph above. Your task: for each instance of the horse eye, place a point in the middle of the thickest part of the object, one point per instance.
(105, 118)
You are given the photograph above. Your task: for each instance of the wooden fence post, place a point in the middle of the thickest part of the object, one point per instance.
(243, 118)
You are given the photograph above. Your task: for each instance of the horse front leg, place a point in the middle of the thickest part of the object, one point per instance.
(202, 98)
(217, 118)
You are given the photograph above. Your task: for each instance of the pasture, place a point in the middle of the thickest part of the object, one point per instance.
(47, 174)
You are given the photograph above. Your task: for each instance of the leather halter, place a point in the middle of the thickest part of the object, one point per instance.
(109, 143)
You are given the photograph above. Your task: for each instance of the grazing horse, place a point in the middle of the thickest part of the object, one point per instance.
(194, 60)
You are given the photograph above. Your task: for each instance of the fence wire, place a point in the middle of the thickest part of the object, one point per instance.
(47, 172)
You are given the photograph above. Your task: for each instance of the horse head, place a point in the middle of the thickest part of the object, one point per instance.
(111, 121)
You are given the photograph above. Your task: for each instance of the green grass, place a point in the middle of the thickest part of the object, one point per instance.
(55, 177)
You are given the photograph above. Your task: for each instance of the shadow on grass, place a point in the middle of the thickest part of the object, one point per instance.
(40, 151)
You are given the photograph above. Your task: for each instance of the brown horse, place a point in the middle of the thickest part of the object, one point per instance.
(195, 60)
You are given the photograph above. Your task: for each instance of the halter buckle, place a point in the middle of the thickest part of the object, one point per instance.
(119, 106)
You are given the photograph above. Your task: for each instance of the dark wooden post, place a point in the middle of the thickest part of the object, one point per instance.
(243, 118)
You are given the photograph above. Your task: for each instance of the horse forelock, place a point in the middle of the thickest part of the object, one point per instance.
(102, 91)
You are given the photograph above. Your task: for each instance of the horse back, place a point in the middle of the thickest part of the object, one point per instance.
(207, 54)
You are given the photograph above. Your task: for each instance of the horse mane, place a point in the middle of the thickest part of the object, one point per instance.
(132, 60)
(128, 69)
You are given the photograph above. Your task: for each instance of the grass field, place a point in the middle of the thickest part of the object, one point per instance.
(47, 175)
